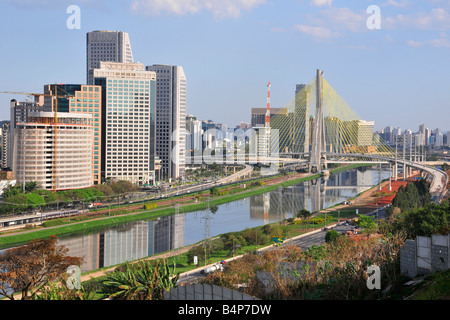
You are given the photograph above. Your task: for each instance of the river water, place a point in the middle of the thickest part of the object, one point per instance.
(131, 241)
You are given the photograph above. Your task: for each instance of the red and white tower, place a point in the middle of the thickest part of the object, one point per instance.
(268, 107)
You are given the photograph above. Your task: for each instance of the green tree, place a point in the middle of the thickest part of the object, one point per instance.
(368, 224)
(331, 236)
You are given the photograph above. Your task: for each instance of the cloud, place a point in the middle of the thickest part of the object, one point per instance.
(398, 4)
(414, 44)
(436, 43)
(319, 33)
(321, 3)
(435, 19)
(54, 4)
(219, 8)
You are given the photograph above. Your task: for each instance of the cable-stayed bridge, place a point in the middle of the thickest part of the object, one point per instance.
(319, 127)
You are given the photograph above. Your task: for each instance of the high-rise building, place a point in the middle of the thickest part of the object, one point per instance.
(128, 121)
(194, 138)
(111, 46)
(259, 115)
(170, 119)
(80, 99)
(58, 156)
(365, 133)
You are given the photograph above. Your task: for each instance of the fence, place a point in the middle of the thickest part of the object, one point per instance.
(205, 292)
(425, 255)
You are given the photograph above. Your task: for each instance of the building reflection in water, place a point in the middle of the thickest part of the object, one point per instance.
(128, 242)
(313, 195)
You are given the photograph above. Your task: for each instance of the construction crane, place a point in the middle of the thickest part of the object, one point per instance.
(55, 112)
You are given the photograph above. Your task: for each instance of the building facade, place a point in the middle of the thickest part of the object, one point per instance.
(80, 99)
(112, 46)
(128, 121)
(170, 119)
(58, 156)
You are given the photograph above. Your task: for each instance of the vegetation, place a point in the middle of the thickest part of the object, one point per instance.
(28, 269)
(425, 221)
(19, 198)
(143, 280)
(331, 236)
(336, 270)
(413, 196)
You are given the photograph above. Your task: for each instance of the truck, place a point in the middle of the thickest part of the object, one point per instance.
(212, 269)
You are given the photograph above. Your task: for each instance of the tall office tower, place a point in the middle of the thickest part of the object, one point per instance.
(170, 119)
(128, 121)
(56, 155)
(111, 46)
(194, 135)
(80, 99)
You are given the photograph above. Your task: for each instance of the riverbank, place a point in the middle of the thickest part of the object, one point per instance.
(185, 204)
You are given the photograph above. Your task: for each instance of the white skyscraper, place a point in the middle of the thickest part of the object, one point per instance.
(112, 46)
(128, 121)
(170, 119)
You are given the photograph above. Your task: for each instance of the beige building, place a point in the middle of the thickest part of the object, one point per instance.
(56, 154)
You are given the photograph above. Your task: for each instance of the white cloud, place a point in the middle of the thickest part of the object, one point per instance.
(319, 33)
(435, 19)
(219, 8)
(414, 44)
(399, 4)
(440, 43)
(436, 43)
(320, 3)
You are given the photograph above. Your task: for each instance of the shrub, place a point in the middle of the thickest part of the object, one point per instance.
(331, 235)
(149, 206)
(318, 220)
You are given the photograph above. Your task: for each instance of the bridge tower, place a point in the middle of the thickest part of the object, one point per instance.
(318, 133)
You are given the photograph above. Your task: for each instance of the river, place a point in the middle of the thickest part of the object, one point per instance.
(131, 241)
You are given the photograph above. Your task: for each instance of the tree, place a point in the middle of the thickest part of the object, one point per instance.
(305, 214)
(29, 268)
(331, 236)
(368, 224)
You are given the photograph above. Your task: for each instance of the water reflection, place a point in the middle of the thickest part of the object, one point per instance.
(140, 239)
(128, 242)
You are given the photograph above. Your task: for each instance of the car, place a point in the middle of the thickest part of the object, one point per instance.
(325, 229)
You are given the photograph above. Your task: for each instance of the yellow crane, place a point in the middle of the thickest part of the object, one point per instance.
(55, 112)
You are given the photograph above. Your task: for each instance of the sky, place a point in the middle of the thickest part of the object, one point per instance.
(391, 65)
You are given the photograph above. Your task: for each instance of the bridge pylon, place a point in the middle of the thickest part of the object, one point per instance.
(318, 134)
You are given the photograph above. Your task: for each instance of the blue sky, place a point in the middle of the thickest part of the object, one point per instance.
(397, 75)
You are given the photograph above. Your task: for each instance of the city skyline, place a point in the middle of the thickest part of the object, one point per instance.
(230, 50)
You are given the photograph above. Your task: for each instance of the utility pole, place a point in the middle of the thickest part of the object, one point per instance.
(207, 230)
